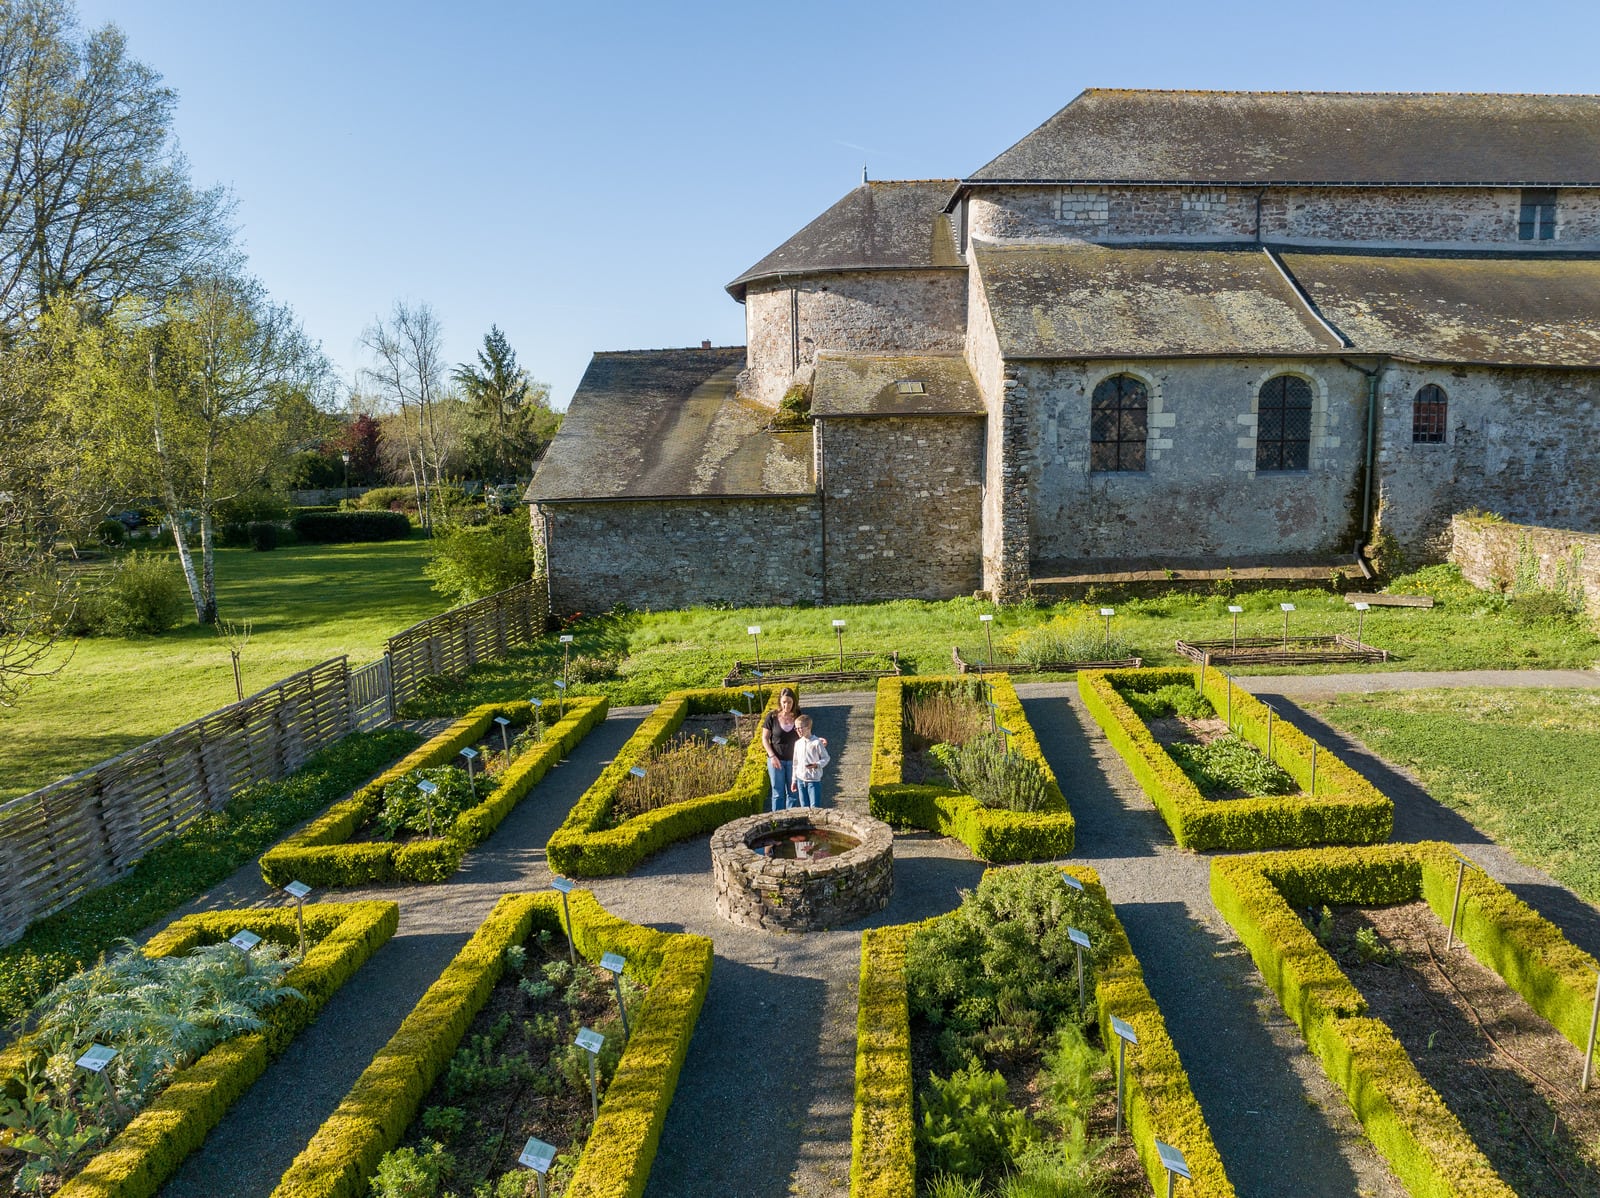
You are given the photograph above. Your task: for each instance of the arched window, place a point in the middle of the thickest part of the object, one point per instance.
(1283, 424)
(1428, 412)
(1119, 418)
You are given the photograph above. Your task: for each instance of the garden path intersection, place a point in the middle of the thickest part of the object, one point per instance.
(763, 1104)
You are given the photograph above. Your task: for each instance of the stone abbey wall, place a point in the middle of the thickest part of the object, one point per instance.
(1200, 494)
(667, 553)
(1492, 553)
(903, 506)
(1444, 216)
(885, 311)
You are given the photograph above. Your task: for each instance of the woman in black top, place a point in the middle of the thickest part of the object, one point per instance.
(778, 735)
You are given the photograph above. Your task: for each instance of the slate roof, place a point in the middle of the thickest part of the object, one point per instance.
(878, 226)
(868, 385)
(1254, 138)
(654, 423)
(1522, 311)
(1077, 300)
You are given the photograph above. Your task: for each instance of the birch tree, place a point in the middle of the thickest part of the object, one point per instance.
(408, 371)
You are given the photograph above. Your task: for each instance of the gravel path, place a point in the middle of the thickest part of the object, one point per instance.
(764, 1100)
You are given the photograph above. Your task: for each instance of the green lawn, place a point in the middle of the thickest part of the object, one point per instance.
(305, 603)
(1522, 765)
(661, 651)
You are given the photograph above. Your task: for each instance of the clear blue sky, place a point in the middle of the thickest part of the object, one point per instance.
(589, 176)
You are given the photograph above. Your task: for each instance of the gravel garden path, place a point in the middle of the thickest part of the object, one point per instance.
(764, 1101)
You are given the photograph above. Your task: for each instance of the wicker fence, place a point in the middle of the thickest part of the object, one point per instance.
(84, 831)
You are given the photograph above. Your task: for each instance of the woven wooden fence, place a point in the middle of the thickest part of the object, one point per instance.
(454, 642)
(86, 830)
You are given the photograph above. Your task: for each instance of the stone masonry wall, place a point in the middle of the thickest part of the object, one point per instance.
(1517, 442)
(885, 311)
(1200, 494)
(1455, 216)
(1491, 554)
(903, 506)
(682, 552)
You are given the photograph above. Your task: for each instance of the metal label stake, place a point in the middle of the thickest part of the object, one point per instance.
(1588, 1056)
(1125, 1036)
(566, 887)
(1080, 941)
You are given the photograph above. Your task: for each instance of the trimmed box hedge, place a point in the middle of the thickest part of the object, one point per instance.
(330, 528)
(340, 939)
(583, 847)
(1404, 1117)
(1346, 809)
(1161, 1104)
(992, 835)
(321, 853)
(344, 1153)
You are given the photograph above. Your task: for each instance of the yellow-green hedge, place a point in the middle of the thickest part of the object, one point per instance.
(340, 936)
(321, 854)
(344, 1153)
(1423, 1142)
(1347, 809)
(1161, 1104)
(992, 835)
(584, 847)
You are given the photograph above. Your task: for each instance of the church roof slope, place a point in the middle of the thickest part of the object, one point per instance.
(653, 424)
(1076, 300)
(878, 226)
(1502, 311)
(871, 385)
(1257, 138)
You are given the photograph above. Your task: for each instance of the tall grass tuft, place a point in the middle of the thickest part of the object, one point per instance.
(676, 772)
(949, 716)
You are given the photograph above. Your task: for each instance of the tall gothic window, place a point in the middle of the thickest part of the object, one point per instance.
(1428, 412)
(1283, 424)
(1119, 421)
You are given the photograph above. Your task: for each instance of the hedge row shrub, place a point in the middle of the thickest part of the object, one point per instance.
(615, 1163)
(328, 528)
(992, 835)
(1161, 1104)
(1346, 809)
(321, 853)
(1405, 1118)
(200, 856)
(584, 847)
(340, 938)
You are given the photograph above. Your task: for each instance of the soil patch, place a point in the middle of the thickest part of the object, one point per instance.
(1178, 729)
(1507, 1075)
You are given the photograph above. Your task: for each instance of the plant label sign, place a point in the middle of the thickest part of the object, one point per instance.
(470, 754)
(427, 787)
(637, 771)
(1124, 1031)
(244, 941)
(566, 640)
(560, 685)
(590, 1040)
(297, 890)
(1172, 1160)
(536, 702)
(537, 1155)
(1072, 882)
(613, 962)
(719, 740)
(97, 1058)
(502, 721)
(1081, 939)
(564, 885)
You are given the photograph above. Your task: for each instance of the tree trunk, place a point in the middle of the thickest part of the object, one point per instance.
(169, 497)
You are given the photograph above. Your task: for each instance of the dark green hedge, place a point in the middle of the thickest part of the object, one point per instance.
(200, 856)
(1406, 1119)
(615, 1163)
(341, 936)
(329, 528)
(998, 836)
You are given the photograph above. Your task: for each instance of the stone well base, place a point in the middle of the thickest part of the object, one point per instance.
(801, 896)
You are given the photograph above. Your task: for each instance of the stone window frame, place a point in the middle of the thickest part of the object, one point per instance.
(1536, 214)
(1159, 423)
(1430, 415)
(1123, 448)
(1319, 440)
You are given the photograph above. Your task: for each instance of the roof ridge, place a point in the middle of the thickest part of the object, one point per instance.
(665, 349)
(1209, 91)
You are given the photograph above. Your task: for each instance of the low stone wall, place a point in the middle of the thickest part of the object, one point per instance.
(1493, 554)
(801, 895)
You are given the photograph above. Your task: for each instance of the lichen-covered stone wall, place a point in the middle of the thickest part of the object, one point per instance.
(1492, 554)
(903, 506)
(682, 552)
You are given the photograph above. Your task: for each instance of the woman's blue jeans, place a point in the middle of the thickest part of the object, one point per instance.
(780, 779)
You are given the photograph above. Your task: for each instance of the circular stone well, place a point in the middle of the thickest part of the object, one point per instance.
(803, 894)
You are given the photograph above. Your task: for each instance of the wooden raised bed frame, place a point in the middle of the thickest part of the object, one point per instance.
(963, 666)
(1280, 651)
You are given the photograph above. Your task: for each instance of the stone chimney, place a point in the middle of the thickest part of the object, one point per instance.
(705, 345)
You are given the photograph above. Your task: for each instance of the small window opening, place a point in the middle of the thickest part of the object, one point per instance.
(1537, 221)
(910, 387)
(1428, 412)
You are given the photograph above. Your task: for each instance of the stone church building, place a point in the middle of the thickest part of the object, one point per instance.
(1164, 327)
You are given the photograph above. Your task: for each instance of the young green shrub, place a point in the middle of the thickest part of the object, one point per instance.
(986, 769)
(969, 1126)
(110, 533)
(145, 595)
(468, 563)
(407, 1173)
(262, 535)
(407, 808)
(1170, 699)
(1228, 764)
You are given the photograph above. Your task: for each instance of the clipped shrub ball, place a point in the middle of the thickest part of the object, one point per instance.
(263, 535)
(110, 533)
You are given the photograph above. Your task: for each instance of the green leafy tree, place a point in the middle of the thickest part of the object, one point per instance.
(469, 563)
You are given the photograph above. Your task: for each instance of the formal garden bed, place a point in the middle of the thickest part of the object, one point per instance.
(1251, 781)
(194, 1020)
(666, 784)
(614, 1161)
(1277, 901)
(1006, 805)
(976, 1074)
(330, 850)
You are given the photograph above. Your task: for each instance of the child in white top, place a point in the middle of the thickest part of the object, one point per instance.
(810, 755)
